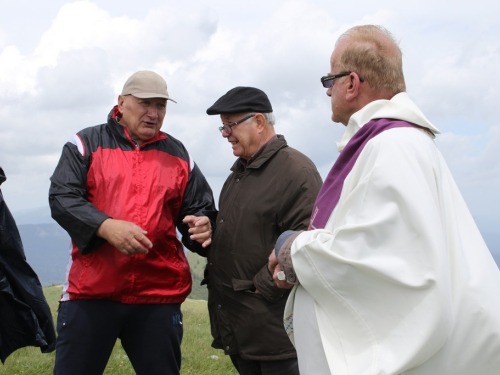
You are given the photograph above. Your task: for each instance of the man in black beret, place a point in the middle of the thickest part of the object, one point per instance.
(272, 188)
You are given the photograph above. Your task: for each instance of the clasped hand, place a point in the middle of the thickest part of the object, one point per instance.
(128, 238)
(200, 229)
(125, 236)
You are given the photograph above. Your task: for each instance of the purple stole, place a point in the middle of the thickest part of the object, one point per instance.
(329, 194)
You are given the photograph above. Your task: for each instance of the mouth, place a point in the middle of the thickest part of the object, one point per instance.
(150, 124)
(233, 142)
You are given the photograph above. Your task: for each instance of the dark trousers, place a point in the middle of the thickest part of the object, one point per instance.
(150, 334)
(281, 367)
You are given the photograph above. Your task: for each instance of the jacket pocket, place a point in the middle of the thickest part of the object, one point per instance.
(242, 285)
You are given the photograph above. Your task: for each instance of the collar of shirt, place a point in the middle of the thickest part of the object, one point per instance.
(400, 107)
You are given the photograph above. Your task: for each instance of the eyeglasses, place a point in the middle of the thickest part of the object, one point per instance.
(228, 128)
(328, 81)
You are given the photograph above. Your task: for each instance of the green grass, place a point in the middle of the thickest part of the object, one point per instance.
(198, 357)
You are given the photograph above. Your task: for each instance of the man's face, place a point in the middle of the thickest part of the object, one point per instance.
(244, 137)
(143, 118)
(337, 92)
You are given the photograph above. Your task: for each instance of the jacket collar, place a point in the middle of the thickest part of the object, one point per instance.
(266, 154)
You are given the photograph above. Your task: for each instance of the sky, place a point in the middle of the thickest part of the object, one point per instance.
(63, 64)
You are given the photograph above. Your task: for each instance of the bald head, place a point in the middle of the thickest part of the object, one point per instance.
(372, 52)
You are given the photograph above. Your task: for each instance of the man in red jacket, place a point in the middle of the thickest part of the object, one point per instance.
(121, 189)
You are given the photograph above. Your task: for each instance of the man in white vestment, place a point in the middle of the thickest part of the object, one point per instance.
(393, 276)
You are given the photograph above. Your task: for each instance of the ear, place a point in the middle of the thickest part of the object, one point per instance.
(261, 122)
(121, 101)
(353, 87)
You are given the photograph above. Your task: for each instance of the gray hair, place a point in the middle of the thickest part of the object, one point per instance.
(270, 119)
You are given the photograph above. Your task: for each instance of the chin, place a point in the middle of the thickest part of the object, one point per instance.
(336, 119)
(146, 136)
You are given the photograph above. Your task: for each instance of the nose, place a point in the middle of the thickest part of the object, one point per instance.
(224, 133)
(329, 91)
(152, 112)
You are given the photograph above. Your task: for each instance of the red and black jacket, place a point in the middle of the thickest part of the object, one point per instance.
(103, 174)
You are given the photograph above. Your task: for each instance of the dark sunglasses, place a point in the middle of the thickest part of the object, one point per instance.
(328, 81)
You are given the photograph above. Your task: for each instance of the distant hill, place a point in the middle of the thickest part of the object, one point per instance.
(39, 215)
(197, 265)
(47, 250)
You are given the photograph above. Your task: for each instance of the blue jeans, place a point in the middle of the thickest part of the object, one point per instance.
(150, 334)
(281, 367)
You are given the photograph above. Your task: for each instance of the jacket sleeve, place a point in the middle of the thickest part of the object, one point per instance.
(198, 200)
(294, 214)
(68, 200)
(301, 192)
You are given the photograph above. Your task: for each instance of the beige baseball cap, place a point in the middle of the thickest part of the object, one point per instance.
(145, 84)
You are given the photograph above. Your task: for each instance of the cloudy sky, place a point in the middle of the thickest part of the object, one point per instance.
(62, 66)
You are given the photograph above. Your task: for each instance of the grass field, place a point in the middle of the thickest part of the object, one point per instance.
(198, 357)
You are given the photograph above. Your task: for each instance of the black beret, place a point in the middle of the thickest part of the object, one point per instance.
(241, 99)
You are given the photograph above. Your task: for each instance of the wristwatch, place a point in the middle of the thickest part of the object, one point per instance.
(281, 276)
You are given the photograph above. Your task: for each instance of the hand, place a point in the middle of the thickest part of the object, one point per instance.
(274, 268)
(273, 262)
(280, 284)
(200, 229)
(125, 236)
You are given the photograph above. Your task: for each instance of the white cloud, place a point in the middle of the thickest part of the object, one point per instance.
(473, 159)
(466, 81)
(71, 78)
(17, 73)
(3, 38)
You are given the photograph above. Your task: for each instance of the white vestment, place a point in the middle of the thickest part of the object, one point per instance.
(400, 280)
